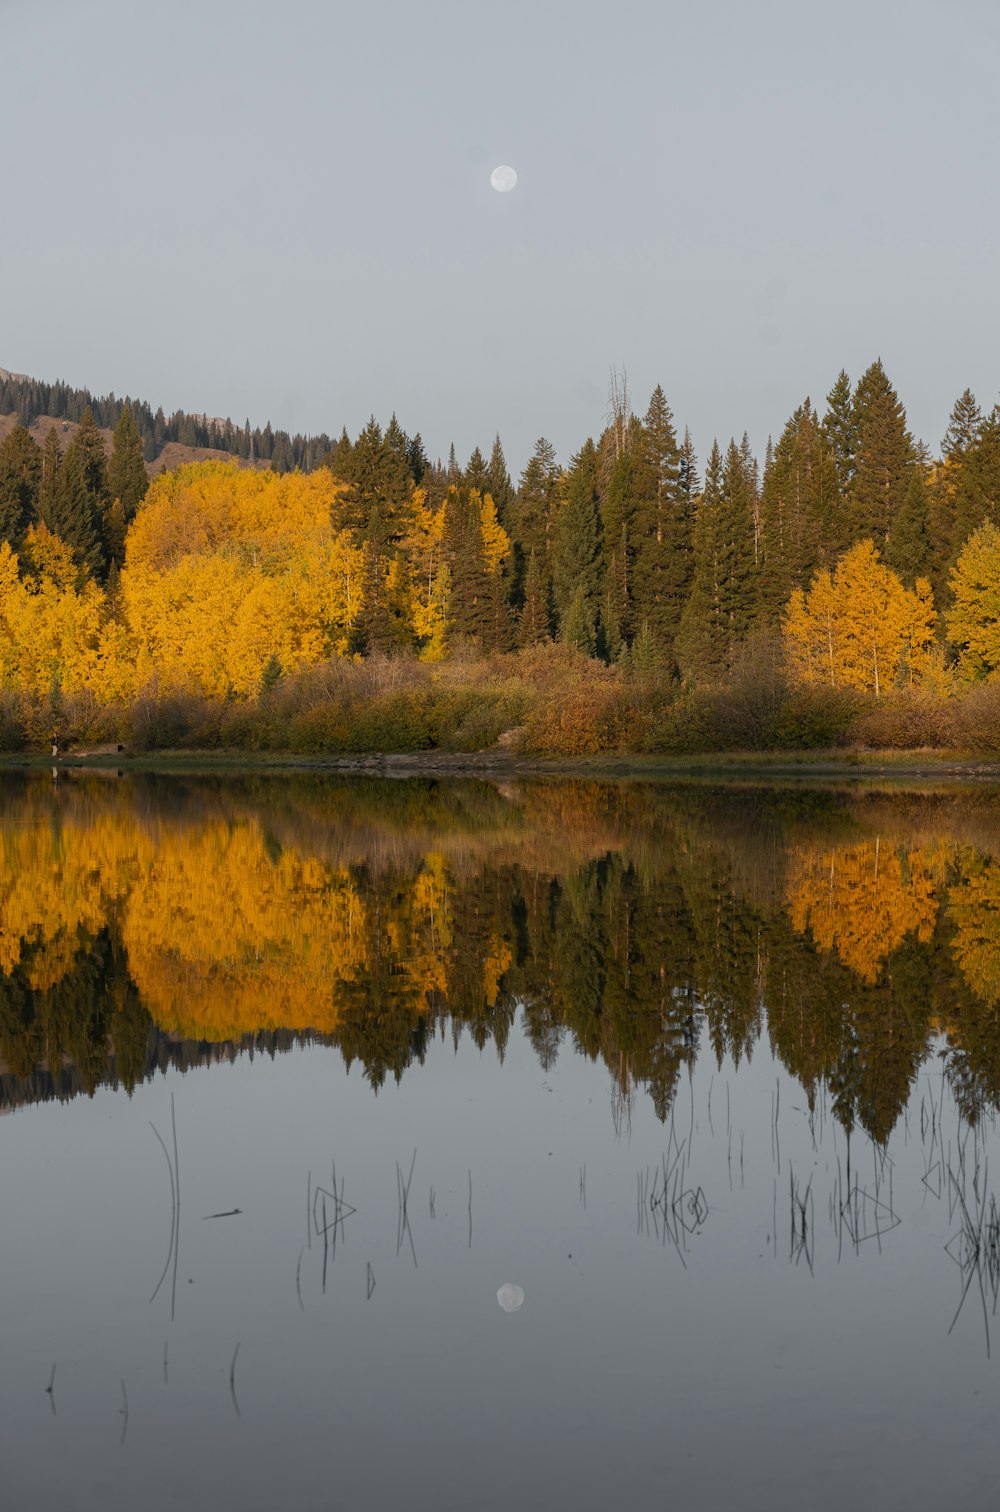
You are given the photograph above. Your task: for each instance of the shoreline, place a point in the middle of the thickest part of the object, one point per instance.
(493, 764)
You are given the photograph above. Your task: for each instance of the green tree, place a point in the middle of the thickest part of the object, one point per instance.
(127, 479)
(840, 430)
(702, 638)
(88, 443)
(499, 485)
(532, 517)
(533, 623)
(885, 452)
(477, 473)
(662, 527)
(965, 426)
(576, 542)
(577, 627)
(20, 481)
(799, 506)
(908, 549)
(74, 518)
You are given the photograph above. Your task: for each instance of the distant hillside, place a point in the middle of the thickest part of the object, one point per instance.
(166, 440)
(172, 454)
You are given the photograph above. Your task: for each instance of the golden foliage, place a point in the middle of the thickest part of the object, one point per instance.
(863, 900)
(225, 568)
(858, 627)
(974, 906)
(49, 631)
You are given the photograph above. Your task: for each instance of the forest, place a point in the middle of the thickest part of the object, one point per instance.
(843, 591)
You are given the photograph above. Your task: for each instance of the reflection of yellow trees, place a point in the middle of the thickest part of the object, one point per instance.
(863, 900)
(974, 906)
(225, 933)
(57, 883)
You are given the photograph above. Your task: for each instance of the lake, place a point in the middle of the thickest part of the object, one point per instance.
(457, 1144)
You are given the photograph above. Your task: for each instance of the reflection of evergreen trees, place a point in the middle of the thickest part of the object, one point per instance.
(638, 926)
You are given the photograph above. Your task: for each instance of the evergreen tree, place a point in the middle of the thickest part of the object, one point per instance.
(382, 623)
(799, 509)
(703, 636)
(470, 603)
(736, 541)
(662, 527)
(840, 429)
(127, 479)
(499, 485)
(688, 483)
(47, 506)
(89, 444)
(908, 548)
(577, 627)
(476, 473)
(609, 636)
(75, 518)
(533, 623)
(416, 459)
(114, 532)
(377, 503)
(532, 516)
(576, 545)
(965, 427)
(20, 481)
(884, 455)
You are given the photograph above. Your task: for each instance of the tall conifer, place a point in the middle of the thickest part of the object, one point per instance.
(20, 481)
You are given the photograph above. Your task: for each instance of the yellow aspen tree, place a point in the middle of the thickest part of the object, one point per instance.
(859, 627)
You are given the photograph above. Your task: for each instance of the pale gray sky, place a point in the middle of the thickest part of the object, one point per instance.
(284, 210)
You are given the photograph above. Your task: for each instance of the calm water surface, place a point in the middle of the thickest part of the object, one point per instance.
(710, 1074)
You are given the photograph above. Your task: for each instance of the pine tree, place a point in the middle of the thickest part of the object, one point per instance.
(75, 519)
(610, 644)
(885, 452)
(499, 484)
(127, 479)
(688, 483)
(908, 548)
(703, 636)
(533, 623)
(470, 604)
(20, 481)
(476, 473)
(89, 444)
(377, 503)
(532, 516)
(736, 541)
(576, 545)
(577, 627)
(965, 427)
(114, 532)
(47, 506)
(799, 508)
(662, 527)
(416, 459)
(840, 429)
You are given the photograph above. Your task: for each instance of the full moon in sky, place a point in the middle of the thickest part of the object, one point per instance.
(503, 178)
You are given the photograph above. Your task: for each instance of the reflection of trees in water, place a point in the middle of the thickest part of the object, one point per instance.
(637, 924)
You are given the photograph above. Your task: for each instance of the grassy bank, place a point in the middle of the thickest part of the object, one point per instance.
(550, 705)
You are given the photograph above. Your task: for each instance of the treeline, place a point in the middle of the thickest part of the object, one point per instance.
(30, 399)
(850, 563)
(629, 546)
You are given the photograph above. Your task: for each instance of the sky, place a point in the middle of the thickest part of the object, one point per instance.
(283, 211)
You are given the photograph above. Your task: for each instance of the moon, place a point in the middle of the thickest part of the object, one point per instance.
(510, 1297)
(503, 178)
